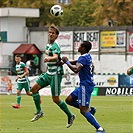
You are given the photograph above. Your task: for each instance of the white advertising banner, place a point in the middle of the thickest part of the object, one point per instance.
(64, 91)
(69, 82)
(100, 81)
(65, 39)
(106, 80)
(92, 36)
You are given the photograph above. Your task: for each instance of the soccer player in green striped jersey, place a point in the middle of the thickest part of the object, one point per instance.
(21, 79)
(52, 77)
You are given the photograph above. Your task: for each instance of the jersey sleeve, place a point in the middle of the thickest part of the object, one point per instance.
(82, 60)
(24, 66)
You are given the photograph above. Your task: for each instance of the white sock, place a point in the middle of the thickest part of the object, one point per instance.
(100, 128)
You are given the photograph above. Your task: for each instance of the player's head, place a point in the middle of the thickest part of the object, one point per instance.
(85, 47)
(55, 28)
(17, 58)
(53, 32)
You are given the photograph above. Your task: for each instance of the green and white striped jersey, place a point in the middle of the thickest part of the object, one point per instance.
(52, 67)
(20, 70)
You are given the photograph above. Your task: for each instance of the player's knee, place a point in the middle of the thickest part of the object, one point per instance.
(68, 100)
(35, 88)
(29, 93)
(83, 110)
(32, 89)
(18, 93)
(56, 100)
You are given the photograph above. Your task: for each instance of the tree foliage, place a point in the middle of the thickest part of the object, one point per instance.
(119, 11)
(79, 13)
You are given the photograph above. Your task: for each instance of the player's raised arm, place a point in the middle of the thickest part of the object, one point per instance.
(75, 68)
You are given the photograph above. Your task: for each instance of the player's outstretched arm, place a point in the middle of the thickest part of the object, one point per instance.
(75, 68)
(73, 62)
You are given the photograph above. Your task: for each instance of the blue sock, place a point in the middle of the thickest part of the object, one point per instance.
(91, 119)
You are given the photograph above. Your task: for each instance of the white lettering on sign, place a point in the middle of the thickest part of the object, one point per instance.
(119, 91)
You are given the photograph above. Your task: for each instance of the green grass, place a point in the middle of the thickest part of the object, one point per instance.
(115, 114)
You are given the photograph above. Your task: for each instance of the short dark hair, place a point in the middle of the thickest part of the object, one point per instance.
(87, 45)
(55, 28)
(18, 55)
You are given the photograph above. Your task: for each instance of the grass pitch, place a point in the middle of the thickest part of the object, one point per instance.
(115, 114)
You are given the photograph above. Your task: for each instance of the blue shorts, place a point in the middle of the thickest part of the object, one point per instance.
(83, 95)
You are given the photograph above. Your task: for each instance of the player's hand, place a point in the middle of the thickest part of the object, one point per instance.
(46, 59)
(64, 59)
(18, 78)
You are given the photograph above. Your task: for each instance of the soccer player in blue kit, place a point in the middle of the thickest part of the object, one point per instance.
(84, 67)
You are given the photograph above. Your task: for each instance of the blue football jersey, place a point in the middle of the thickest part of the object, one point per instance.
(86, 72)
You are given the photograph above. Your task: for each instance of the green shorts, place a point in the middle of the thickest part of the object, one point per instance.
(53, 80)
(25, 86)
